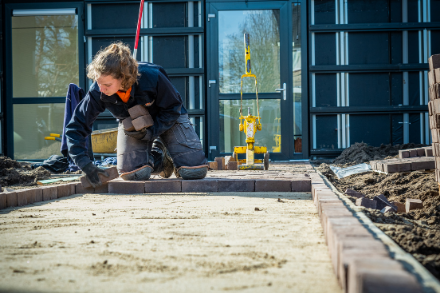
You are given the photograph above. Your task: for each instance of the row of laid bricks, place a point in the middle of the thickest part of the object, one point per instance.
(210, 185)
(360, 262)
(30, 196)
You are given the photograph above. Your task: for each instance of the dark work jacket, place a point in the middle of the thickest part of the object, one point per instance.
(153, 87)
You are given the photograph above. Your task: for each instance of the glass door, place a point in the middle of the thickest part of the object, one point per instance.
(266, 24)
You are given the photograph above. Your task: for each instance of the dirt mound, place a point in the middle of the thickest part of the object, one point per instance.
(13, 172)
(362, 152)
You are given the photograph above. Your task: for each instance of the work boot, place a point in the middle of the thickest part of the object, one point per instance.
(191, 173)
(143, 173)
(163, 163)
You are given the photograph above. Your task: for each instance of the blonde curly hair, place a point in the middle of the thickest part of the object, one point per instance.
(115, 60)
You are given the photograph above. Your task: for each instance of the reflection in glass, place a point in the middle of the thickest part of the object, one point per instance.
(31, 124)
(296, 67)
(270, 120)
(264, 29)
(44, 55)
(197, 123)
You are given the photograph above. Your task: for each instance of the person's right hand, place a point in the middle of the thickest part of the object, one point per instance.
(92, 174)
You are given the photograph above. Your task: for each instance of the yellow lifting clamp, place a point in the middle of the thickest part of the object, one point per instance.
(251, 123)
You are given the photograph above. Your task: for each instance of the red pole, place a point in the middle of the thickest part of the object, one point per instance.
(138, 30)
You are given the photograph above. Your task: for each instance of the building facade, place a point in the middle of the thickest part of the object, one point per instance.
(330, 72)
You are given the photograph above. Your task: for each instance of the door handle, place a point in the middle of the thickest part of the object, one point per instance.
(284, 90)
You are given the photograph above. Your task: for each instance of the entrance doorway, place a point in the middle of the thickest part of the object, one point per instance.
(275, 49)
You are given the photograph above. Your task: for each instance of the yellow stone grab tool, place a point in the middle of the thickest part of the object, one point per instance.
(251, 123)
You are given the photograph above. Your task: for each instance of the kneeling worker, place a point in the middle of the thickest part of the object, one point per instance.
(121, 83)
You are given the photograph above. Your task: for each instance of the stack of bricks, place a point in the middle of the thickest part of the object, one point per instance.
(434, 109)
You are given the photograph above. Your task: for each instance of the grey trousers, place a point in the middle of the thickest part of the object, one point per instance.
(181, 141)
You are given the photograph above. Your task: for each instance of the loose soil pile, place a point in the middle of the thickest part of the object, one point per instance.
(417, 232)
(362, 152)
(13, 172)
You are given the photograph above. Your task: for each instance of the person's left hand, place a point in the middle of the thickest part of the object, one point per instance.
(143, 134)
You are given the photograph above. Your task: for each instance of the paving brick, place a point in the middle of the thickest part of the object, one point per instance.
(112, 172)
(431, 78)
(328, 202)
(63, 190)
(316, 186)
(204, 185)
(382, 202)
(239, 185)
(430, 112)
(366, 203)
(423, 164)
(380, 276)
(354, 193)
(11, 199)
(142, 122)
(137, 111)
(126, 187)
(79, 189)
(412, 153)
(435, 135)
(413, 204)
(428, 151)
(50, 192)
(262, 185)
(397, 167)
(347, 257)
(220, 163)
(213, 165)
(400, 206)
(232, 165)
(3, 204)
(301, 185)
(163, 185)
(102, 189)
(434, 62)
(420, 152)
(403, 154)
(128, 124)
(31, 196)
(328, 212)
(38, 194)
(22, 197)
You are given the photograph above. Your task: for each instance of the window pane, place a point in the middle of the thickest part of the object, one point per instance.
(170, 51)
(263, 26)
(44, 55)
(29, 133)
(326, 132)
(325, 12)
(270, 120)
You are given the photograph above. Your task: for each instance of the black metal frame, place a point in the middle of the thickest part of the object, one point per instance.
(285, 7)
(10, 101)
(363, 27)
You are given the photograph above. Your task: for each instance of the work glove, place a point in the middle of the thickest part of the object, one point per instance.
(143, 134)
(92, 174)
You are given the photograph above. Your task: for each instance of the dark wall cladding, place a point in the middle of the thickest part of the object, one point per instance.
(435, 6)
(325, 12)
(325, 90)
(397, 129)
(396, 91)
(435, 42)
(181, 85)
(414, 88)
(414, 128)
(369, 89)
(115, 16)
(101, 43)
(326, 132)
(170, 51)
(170, 14)
(368, 48)
(413, 47)
(372, 129)
(325, 49)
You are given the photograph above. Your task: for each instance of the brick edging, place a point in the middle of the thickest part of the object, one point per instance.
(361, 252)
